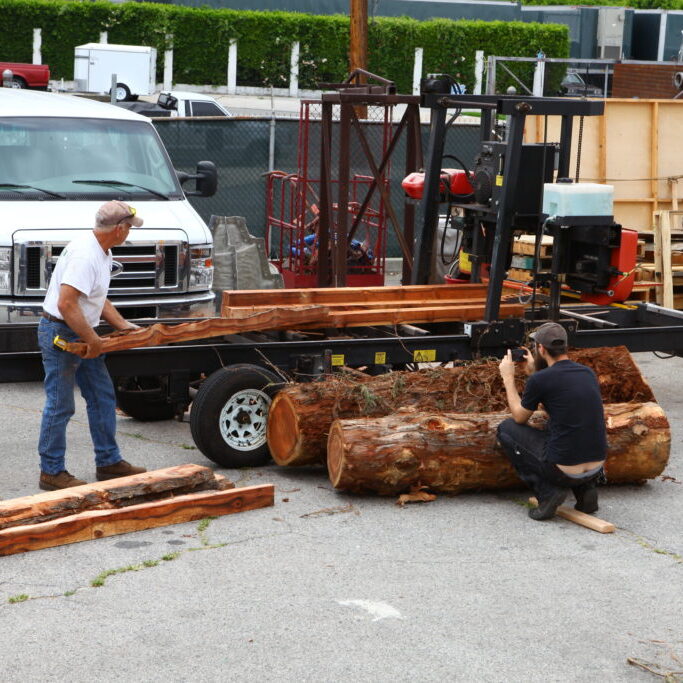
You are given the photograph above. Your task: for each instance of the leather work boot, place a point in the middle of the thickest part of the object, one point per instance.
(118, 469)
(547, 507)
(54, 482)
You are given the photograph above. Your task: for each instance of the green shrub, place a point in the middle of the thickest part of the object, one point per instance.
(202, 37)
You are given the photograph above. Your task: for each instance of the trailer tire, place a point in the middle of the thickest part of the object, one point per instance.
(121, 92)
(143, 398)
(229, 415)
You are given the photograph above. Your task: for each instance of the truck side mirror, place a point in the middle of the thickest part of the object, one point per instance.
(167, 101)
(206, 177)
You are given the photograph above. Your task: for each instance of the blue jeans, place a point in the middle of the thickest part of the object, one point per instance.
(62, 371)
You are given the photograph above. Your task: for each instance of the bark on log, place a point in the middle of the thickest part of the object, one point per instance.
(240, 321)
(458, 452)
(301, 415)
(114, 493)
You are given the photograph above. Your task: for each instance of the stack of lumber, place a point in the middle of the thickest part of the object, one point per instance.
(437, 427)
(361, 306)
(118, 506)
(522, 264)
(660, 271)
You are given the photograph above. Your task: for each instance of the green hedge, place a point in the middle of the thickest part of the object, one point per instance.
(201, 38)
(638, 4)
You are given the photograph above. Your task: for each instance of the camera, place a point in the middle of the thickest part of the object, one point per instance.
(518, 355)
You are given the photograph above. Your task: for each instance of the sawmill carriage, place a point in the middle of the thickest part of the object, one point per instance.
(231, 380)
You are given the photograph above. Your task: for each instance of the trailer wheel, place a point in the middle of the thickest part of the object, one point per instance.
(229, 415)
(122, 92)
(143, 398)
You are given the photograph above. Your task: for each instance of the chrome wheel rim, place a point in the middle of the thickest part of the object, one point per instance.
(243, 419)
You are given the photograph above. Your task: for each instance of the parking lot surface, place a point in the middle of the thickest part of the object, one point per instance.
(331, 587)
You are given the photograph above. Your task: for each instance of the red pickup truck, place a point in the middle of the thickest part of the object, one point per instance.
(34, 76)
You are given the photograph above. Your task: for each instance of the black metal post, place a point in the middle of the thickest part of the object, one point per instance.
(429, 206)
(325, 196)
(413, 162)
(565, 147)
(340, 239)
(501, 240)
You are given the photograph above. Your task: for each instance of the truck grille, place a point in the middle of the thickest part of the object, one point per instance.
(146, 267)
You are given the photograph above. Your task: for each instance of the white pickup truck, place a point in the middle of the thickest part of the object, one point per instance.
(61, 157)
(178, 103)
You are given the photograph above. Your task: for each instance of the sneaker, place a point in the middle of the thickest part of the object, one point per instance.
(547, 507)
(54, 482)
(586, 497)
(118, 469)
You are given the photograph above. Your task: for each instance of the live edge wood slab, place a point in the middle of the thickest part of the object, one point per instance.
(142, 501)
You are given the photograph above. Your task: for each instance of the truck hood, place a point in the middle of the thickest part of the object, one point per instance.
(160, 218)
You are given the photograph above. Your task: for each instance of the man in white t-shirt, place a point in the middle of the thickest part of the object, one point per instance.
(75, 302)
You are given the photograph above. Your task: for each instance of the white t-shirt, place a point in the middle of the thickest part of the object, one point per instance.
(85, 266)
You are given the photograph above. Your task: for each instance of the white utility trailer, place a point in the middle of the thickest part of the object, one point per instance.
(134, 66)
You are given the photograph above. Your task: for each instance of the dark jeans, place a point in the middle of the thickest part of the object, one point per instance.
(525, 448)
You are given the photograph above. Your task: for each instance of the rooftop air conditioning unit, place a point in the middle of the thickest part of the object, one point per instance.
(610, 36)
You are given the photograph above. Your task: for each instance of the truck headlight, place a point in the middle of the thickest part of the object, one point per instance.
(5, 270)
(201, 268)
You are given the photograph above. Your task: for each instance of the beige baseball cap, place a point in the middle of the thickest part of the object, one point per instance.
(115, 212)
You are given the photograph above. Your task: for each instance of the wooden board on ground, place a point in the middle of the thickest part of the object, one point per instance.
(120, 492)
(581, 518)
(332, 295)
(86, 526)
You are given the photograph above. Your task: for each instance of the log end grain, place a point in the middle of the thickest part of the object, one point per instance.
(282, 430)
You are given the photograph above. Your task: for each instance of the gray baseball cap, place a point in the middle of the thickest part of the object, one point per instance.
(551, 335)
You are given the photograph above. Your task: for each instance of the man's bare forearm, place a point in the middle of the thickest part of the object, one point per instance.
(519, 413)
(74, 318)
(114, 318)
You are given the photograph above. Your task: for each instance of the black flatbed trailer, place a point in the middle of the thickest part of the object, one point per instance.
(232, 379)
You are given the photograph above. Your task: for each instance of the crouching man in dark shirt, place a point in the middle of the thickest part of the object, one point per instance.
(570, 453)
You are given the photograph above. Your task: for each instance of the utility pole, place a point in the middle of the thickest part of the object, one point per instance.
(358, 39)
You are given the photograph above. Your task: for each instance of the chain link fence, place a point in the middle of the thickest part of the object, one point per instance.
(245, 149)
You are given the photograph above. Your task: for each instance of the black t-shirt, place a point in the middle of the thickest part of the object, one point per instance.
(570, 394)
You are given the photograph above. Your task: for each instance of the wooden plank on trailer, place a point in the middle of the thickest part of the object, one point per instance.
(365, 305)
(332, 295)
(395, 316)
(86, 526)
(581, 518)
(665, 246)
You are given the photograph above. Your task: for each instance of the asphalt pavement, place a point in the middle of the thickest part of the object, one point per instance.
(331, 587)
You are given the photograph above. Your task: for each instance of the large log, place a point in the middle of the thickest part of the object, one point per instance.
(456, 452)
(300, 416)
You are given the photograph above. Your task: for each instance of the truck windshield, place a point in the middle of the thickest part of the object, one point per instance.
(46, 155)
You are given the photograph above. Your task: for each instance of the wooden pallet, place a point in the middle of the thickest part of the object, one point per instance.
(118, 506)
(526, 244)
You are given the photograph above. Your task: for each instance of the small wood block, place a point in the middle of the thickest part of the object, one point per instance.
(86, 526)
(581, 518)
